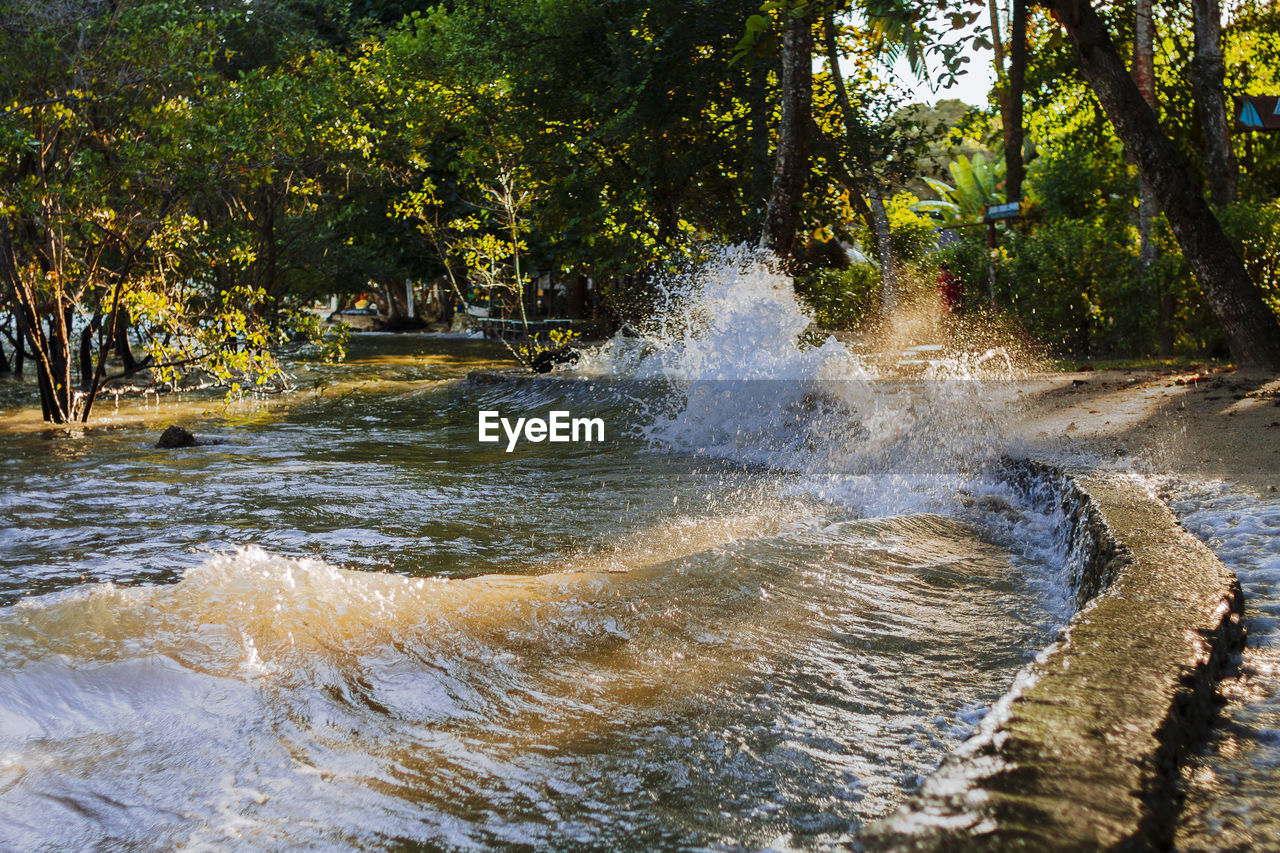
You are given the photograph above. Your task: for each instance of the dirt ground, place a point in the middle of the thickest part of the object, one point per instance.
(1222, 424)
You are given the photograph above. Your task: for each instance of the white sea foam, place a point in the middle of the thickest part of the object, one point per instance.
(751, 382)
(755, 385)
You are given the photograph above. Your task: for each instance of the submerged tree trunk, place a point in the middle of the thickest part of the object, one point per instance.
(791, 162)
(1207, 81)
(121, 323)
(52, 350)
(86, 354)
(19, 335)
(1250, 328)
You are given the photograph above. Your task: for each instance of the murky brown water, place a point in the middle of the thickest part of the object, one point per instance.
(348, 624)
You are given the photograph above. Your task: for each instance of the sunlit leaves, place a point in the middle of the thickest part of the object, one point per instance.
(976, 183)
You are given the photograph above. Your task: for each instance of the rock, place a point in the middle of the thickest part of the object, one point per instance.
(176, 436)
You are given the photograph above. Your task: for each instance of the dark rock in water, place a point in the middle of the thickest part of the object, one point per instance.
(176, 436)
(403, 324)
(547, 360)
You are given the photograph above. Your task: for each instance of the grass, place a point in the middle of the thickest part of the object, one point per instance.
(1072, 365)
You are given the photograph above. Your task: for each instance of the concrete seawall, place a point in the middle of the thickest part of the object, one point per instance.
(1083, 753)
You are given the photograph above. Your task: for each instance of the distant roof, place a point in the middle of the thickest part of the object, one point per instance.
(1257, 112)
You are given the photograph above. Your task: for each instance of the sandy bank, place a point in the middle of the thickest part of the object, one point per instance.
(1220, 425)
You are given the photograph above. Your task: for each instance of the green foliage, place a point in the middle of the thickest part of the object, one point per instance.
(976, 183)
(1255, 229)
(967, 260)
(1074, 284)
(1071, 180)
(956, 134)
(1058, 278)
(841, 298)
(163, 194)
(913, 235)
(201, 173)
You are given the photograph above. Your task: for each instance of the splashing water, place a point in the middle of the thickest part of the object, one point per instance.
(749, 384)
(758, 621)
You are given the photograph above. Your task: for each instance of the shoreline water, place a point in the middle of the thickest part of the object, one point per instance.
(1114, 421)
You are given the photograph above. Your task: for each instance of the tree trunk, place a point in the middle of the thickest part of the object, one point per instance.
(1250, 328)
(1144, 75)
(575, 297)
(884, 249)
(1014, 168)
(1002, 81)
(60, 343)
(791, 161)
(873, 211)
(1207, 76)
(52, 352)
(55, 377)
(19, 333)
(758, 165)
(86, 355)
(121, 324)
(395, 311)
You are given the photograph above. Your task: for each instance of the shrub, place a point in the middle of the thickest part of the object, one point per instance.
(841, 299)
(1255, 229)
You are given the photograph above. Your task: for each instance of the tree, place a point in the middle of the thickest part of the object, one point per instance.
(874, 155)
(1015, 169)
(1207, 81)
(1251, 330)
(1144, 75)
(975, 186)
(791, 161)
(100, 161)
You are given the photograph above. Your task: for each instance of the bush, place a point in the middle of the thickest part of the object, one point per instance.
(1075, 286)
(1255, 229)
(1071, 284)
(967, 260)
(841, 299)
(914, 235)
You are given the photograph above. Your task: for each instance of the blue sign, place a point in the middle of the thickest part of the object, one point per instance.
(1003, 211)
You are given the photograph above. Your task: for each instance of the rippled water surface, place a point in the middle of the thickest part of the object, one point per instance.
(1233, 784)
(344, 623)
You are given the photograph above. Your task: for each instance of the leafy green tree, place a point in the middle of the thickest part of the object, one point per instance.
(105, 143)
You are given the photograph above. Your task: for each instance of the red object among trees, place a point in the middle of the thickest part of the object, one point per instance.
(950, 291)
